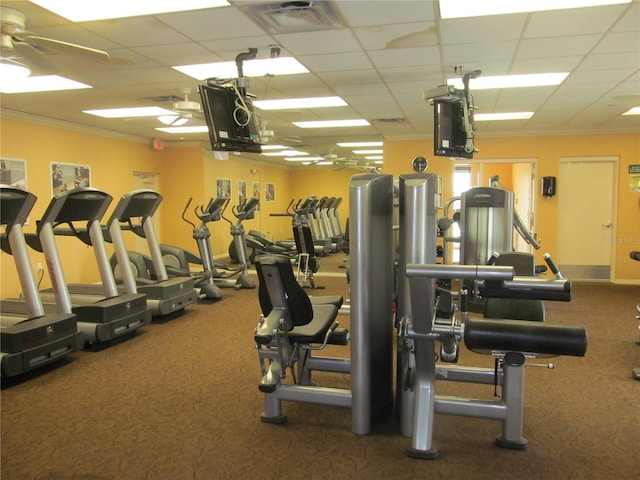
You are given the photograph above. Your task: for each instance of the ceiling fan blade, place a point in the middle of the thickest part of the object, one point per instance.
(58, 46)
(34, 58)
(119, 61)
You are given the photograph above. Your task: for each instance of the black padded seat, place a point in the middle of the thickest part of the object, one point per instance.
(313, 332)
(278, 290)
(335, 300)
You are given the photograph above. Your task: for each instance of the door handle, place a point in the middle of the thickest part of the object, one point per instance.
(607, 225)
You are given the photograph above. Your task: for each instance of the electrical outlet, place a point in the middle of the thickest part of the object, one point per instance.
(39, 267)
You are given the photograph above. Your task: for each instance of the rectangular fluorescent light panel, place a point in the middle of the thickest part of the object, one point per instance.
(359, 144)
(511, 81)
(470, 8)
(368, 152)
(294, 103)
(130, 112)
(284, 153)
(84, 11)
(483, 117)
(194, 129)
(251, 68)
(273, 147)
(361, 122)
(43, 83)
(632, 111)
(374, 157)
(304, 159)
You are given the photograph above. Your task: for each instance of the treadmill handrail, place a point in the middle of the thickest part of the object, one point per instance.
(63, 207)
(138, 203)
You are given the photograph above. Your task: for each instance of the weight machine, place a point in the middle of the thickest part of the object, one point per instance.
(428, 314)
(293, 327)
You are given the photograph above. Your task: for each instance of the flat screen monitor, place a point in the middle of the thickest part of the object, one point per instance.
(449, 136)
(229, 128)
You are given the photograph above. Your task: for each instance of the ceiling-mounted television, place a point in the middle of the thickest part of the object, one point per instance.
(230, 119)
(450, 138)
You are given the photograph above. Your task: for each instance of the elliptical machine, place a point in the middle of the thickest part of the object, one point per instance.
(245, 210)
(215, 275)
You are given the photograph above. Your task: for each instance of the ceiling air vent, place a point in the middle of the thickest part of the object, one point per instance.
(293, 17)
(387, 121)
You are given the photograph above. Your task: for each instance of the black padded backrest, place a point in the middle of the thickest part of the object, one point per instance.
(304, 240)
(523, 263)
(278, 288)
(516, 309)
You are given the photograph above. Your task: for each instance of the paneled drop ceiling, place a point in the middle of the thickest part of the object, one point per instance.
(386, 54)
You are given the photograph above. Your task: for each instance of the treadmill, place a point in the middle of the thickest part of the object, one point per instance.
(101, 317)
(37, 338)
(165, 295)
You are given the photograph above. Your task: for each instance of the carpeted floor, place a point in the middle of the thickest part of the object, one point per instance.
(179, 400)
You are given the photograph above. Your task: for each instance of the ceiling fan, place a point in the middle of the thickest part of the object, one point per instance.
(183, 109)
(269, 136)
(23, 47)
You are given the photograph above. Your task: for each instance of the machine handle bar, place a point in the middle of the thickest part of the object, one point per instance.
(465, 272)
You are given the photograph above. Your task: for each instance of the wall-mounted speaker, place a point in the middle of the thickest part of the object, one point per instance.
(548, 186)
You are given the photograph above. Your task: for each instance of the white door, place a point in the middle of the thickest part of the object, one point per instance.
(147, 181)
(586, 189)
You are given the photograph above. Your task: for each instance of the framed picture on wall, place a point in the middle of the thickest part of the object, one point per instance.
(223, 187)
(13, 172)
(255, 192)
(67, 176)
(242, 191)
(269, 192)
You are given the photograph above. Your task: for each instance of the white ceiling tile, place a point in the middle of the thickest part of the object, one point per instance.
(575, 21)
(378, 89)
(406, 35)
(619, 42)
(315, 43)
(177, 54)
(630, 20)
(409, 57)
(159, 74)
(334, 62)
(596, 78)
(138, 31)
(545, 64)
(611, 61)
(483, 29)
(345, 80)
(478, 52)
(430, 75)
(560, 46)
(384, 12)
(214, 23)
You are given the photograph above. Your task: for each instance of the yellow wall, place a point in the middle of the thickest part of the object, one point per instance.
(548, 151)
(189, 172)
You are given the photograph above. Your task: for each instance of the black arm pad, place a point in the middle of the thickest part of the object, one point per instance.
(530, 288)
(524, 336)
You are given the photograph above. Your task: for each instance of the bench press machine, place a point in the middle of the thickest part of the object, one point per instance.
(422, 323)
